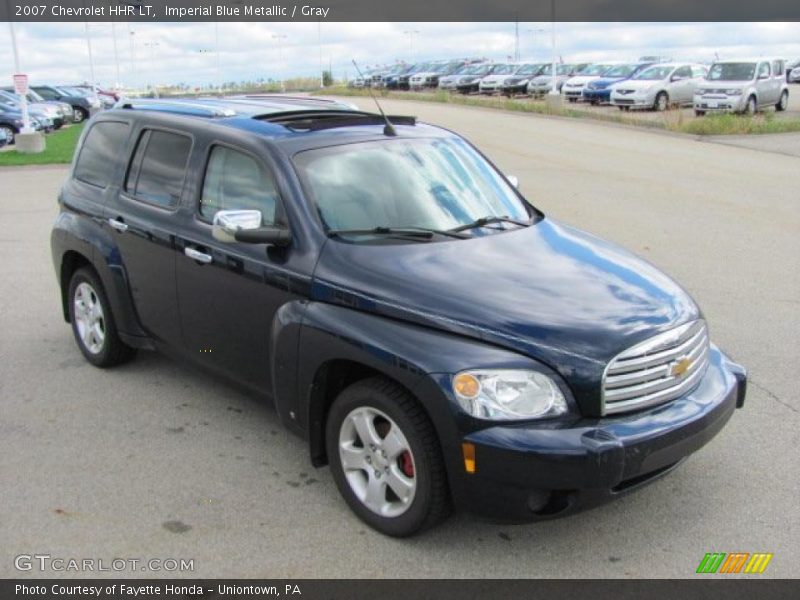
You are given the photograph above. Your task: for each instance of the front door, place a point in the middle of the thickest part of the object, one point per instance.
(229, 292)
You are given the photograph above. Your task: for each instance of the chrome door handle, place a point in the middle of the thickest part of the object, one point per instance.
(118, 225)
(200, 257)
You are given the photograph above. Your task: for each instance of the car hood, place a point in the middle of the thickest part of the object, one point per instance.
(495, 78)
(636, 84)
(424, 74)
(549, 291)
(603, 82)
(581, 79)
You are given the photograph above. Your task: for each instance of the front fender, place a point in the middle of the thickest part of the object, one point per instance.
(404, 352)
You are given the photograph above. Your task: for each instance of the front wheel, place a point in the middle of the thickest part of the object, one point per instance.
(385, 458)
(751, 106)
(92, 322)
(699, 113)
(80, 115)
(662, 102)
(783, 103)
(10, 133)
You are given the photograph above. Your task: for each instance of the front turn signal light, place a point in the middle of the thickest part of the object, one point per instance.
(469, 456)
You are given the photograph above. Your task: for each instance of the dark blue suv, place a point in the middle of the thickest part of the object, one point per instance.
(433, 336)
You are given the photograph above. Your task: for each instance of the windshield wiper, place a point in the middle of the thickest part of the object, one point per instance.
(416, 232)
(484, 221)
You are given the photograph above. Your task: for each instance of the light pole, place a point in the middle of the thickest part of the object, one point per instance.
(553, 79)
(116, 51)
(26, 121)
(91, 58)
(411, 34)
(319, 41)
(153, 46)
(216, 42)
(132, 41)
(279, 37)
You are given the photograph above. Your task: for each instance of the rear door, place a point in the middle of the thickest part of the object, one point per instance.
(142, 220)
(229, 292)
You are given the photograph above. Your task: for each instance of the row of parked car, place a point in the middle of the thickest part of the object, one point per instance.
(741, 85)
(50, 107)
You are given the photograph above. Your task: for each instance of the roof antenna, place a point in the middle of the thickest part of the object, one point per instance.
(388, 129)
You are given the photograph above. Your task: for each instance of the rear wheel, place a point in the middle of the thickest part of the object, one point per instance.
(92, 322)
(699, 113)
(385, 458)
(783, 103)
(80, 115)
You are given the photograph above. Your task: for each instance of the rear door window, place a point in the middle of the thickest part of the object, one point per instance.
(158, 168)
(102, 153)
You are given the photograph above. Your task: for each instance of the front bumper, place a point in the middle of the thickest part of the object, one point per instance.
(576, 93)
(539, 470)
(633, 100)
(720, 102)
(596, 95)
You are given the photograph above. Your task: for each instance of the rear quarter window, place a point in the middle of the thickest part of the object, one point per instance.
(102, 152)
(158, 168)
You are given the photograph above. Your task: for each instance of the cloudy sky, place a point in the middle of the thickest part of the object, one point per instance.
(185, 52)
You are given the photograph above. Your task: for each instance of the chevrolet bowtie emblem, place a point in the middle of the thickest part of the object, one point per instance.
(680, 366)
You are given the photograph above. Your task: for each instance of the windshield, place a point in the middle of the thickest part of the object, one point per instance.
(430, 183)
(528, 69)
(731, 72)
(503, 70)
(620, 71)
(595, 69)
(478, 70)
(446, 68)
(654, 73)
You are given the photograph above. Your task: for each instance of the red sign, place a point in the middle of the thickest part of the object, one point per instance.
(21, 84)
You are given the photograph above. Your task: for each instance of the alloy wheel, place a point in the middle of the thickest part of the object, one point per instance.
(89, 318)
(377, 461)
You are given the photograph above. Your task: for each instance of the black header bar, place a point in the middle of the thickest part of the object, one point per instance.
(394, 11)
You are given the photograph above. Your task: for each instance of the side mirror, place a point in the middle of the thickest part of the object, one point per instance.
(513, 180)
(245, 226)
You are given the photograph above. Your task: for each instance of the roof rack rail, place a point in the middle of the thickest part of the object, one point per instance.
(177, 107)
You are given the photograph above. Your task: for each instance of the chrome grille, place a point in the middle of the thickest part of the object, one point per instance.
(657, 370)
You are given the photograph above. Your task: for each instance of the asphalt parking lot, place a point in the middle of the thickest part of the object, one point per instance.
(154, 460)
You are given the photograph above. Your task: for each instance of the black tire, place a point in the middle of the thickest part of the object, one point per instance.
(10, 133)
(112, 351)
(783, 103)
(699, 113)
(661, 102)
(572, 99)
(751, 107)
(431, 501)
(80, 115)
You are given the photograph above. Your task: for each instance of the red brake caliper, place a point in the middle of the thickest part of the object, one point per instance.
(406, 464)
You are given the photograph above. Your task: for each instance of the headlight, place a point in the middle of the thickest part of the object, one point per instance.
(508, 394)
(733, 92)
(700, 91)
(795, 72)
